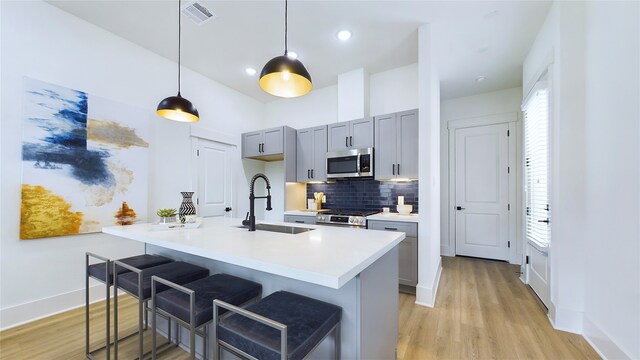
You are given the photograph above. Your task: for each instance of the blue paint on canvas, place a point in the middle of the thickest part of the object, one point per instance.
(61, 114)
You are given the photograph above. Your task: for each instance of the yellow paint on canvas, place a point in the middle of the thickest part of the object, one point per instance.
(45, 214)
(113, 133)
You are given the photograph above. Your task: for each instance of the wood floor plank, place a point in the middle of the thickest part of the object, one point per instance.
(483, 311)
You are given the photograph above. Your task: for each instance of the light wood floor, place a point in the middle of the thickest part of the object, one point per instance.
(483, 311)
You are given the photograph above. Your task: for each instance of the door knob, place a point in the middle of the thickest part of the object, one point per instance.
(460, 208)
(227, 209)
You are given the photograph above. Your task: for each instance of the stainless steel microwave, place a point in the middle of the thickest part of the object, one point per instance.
(350, 163)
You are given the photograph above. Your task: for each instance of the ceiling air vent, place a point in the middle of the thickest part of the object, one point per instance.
(197, 12)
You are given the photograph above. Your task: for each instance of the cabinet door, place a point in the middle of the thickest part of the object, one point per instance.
(319, 154)
(361, 132)
(407, 135)
(408, 261)
(273, 141)
(338, 137)
(299, 219)
(251, 144)
(304, 155)
(386, 147)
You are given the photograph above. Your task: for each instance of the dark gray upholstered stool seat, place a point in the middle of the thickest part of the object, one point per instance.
(137, 283)
(192, 304)
(307, 322)
(103, 272)
(98, 271)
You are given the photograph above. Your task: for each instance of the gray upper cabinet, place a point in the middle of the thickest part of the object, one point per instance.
(396, 144)
(354, 134)
(264, 143)
(252, 144)
(311, 154)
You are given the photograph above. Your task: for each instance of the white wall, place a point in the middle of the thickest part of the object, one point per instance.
(353, 95)
(612, 182)
(429, 264)
(496, 102)
(319, 107)
(394, 90)
(561, 42)
(44, 276)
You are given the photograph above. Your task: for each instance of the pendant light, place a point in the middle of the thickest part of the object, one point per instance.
(283, 76)
(178, 108)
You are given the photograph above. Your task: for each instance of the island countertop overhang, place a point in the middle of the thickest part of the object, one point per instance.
(327, 256)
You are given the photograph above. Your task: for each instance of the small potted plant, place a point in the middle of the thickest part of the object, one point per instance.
(167, 215)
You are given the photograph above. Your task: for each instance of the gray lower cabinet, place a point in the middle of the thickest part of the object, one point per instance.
(311, 154)
(354, 134)
(396, 144)
(407, 249)
(300, 219)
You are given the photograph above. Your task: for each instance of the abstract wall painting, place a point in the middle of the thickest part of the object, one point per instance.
(84, 162)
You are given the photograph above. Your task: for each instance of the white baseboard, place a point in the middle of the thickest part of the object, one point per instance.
(24, 313)
(566, 320)
(601, 343)
(426, 296)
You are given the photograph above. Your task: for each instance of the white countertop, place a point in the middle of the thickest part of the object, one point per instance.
(327, 256)
(394, 217)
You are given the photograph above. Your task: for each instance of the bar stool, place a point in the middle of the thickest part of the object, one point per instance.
(137, 283)
(103, 272)
(191, 305)
(283, 326)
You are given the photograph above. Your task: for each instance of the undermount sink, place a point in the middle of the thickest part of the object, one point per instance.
(279, 228)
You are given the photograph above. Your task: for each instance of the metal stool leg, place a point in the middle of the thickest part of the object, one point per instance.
(338, 341)
(108, 268)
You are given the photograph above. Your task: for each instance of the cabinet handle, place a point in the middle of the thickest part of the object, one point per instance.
(312, 173)
(392, 229)
(259, 147)
(398, 169)
(350, 140)
(394, 169)
(300, 221)
(308, 174)
(346, 141)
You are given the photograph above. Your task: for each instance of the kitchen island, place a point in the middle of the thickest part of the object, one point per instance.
(354, 269)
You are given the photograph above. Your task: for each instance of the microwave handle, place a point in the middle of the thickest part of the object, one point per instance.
(358, 164)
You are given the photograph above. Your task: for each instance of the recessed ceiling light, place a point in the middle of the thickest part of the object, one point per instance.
(481, 79)
(250, 71)
(292, 55)
(344, 35)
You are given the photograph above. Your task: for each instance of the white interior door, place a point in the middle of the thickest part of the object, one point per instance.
(482, 191)
(536, 171)
(214, 178)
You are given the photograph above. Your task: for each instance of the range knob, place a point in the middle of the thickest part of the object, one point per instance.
(351, 220)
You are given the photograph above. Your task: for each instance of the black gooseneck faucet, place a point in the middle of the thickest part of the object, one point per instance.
(252, 216)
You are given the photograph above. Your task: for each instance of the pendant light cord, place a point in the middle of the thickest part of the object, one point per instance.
(179, 42)
(286, 18)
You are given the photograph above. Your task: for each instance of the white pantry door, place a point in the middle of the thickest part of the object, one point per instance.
(214, 178)
(482, 191)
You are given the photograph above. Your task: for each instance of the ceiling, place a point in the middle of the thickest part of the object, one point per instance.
(472, 39)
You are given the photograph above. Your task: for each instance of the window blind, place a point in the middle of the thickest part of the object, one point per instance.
(536, 141)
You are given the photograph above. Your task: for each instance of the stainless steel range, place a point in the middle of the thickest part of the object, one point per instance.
(351, 218)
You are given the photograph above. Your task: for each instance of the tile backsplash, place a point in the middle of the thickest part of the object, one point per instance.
(366, 194)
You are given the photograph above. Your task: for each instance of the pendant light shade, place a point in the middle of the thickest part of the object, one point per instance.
(283, 76)
(176, 107)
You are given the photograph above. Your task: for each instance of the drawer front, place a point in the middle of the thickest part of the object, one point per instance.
(300, 219)
(411, 229)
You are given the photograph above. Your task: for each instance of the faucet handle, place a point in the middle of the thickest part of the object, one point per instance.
(245, 222)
